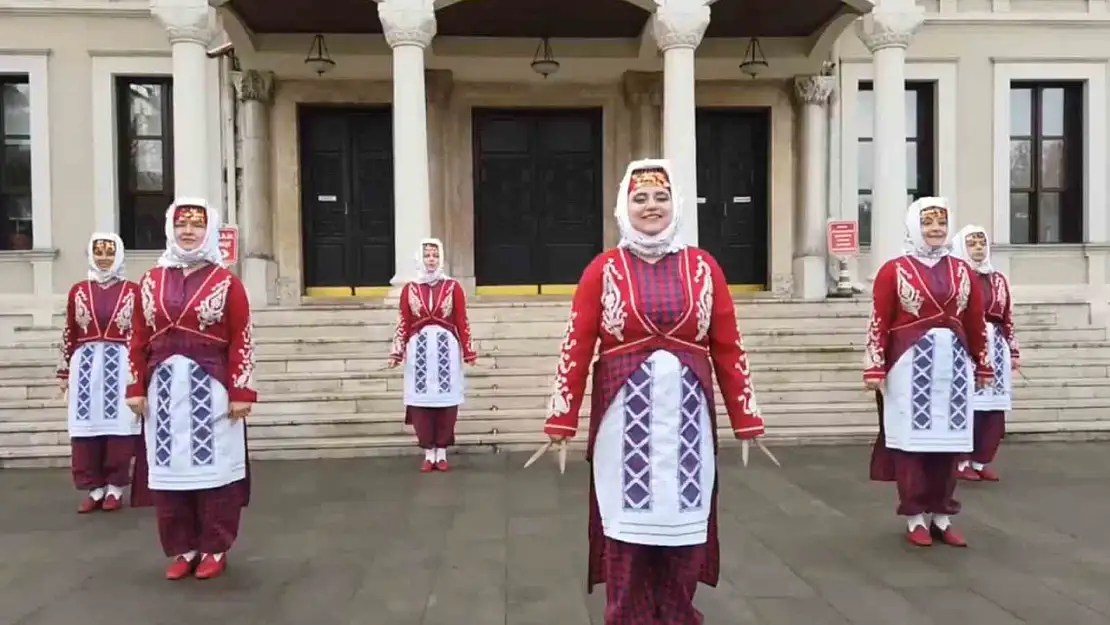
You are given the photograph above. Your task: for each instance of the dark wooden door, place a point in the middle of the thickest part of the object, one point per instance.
(733, 150)
(537, 195)
(347, 197)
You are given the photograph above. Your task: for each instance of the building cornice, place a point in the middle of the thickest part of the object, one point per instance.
(1088, 20)
(55, 8)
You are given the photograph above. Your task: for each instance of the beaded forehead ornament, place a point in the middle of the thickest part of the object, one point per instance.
(648, 178)
(104, 247)
(190, 214)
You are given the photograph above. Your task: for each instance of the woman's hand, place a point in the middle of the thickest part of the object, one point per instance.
(239, 410)
(1015, 364)
(138, 406)
(392, 364)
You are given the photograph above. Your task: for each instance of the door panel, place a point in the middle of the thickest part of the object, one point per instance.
(347, 197)
(537, 195)
(733, 149)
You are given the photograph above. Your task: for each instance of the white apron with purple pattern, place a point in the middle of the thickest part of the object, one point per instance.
(98, 392)
(191, 444)
(999, 394)
(927, 397)
(653, 464)
(433, 369)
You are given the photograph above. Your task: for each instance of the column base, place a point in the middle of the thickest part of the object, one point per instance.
(810, 278)
(259, 276)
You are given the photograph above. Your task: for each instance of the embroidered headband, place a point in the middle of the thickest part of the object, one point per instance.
(654, 178)
(104, 247)
(978, 237)
(190, 214)
(935, 212)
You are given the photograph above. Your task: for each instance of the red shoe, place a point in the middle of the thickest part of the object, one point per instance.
(443, 466)
(950, 536)
(179, 568)
(210, 567)
(88, 505)
(111, 503)
(988, 475)
(427, 467)
(968, 474)
(919, 537)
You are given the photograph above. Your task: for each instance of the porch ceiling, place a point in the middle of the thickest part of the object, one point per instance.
(543, 18)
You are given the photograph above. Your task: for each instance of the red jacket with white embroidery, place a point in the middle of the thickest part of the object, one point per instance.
(606, 307)
(84, 325)
(1000, 306)
(906, 305)
(217, 312)
(442, 304)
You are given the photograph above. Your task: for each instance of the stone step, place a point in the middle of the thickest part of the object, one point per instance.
(539, 376)
(772, 397)
(1048, 424)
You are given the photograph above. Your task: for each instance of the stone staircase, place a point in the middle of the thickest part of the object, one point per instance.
(325, 391)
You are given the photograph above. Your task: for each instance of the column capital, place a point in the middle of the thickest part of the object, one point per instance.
(817, 90)
(256, 85)
(891, 25)
(189, 21)
(408, 22)
(679, 23)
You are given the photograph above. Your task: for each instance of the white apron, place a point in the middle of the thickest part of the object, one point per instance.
(191, 444)
(653, 463)
(999, 394)
(433, 369)
(98, 392)
(927, 399)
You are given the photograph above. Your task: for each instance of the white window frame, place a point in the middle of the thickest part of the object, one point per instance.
(105, 69)
(1095, 171)
(946, 77)
(35, 65)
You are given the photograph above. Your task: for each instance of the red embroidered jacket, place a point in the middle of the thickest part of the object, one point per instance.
(1000, 307)
(218, 311)
(606, 307)
(442, 304)
(82, 324)
(905, 307)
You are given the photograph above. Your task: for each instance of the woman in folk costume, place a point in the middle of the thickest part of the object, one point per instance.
(92, 373)
(990, 402)
(192, 358)
(666, 322)
(926, 351)
(432, 337)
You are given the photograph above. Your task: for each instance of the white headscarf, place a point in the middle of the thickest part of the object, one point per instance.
(423, 276)
(959, 248)
(915, 241)
(208, 250)
(116, 271)
(651, 246)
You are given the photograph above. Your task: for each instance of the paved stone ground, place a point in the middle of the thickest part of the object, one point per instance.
(374, 542)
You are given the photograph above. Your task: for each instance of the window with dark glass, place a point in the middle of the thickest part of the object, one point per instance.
(920, 145)
(15, 163)
(144, 126)
(1046, 162)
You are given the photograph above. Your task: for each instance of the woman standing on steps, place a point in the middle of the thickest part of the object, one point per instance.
(666, 323)
(432, 337)
(92, 373)
(926, 349)
(192, 373)
(991, 402)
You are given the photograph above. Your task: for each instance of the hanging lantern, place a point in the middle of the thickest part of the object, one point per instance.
(543, 63)
(754, 60)
(318, 58)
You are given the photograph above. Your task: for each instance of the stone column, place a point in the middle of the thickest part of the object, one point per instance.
(409, 26)
(190, 30)
(887, 32)
(810, 263)
(678, 27)
(255, 90)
